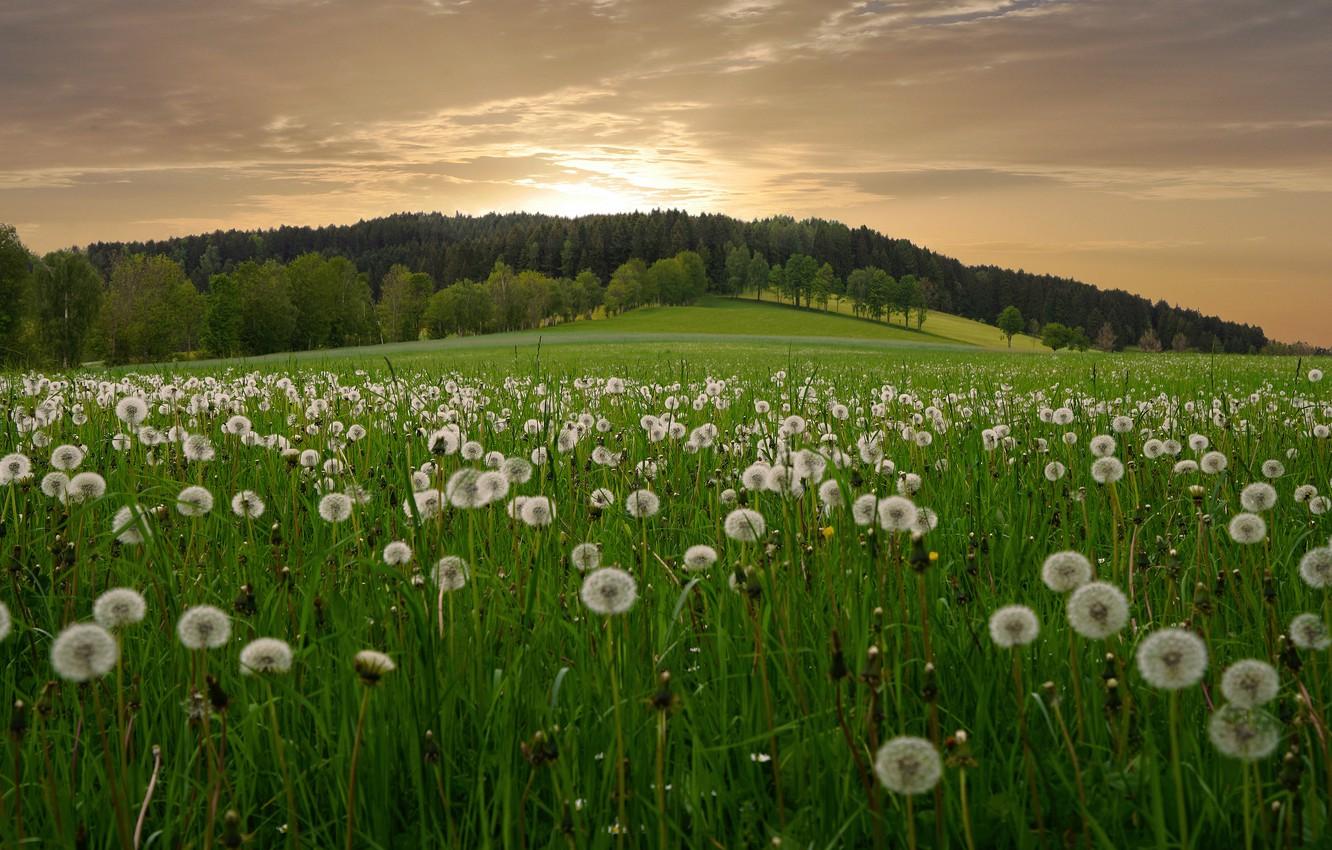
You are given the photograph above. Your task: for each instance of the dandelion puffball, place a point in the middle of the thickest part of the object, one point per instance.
(1014, 625)
(119, 607)
(84, 651)
(203, 627)
(1250, 683)
(1172, 659)
(699, 557)
(1309, 632)
(265, 655)
(1065, 571)
(1242, 733)
(745, 525)
(1097, 610)
(908, 765)
(608, 591)
(1316, 567)
(371, 666)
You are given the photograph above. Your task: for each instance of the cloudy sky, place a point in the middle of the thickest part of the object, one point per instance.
(1181, 149)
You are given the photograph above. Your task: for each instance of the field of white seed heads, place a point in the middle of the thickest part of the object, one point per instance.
(937, 600)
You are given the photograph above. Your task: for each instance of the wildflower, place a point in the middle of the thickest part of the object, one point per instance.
(1065, 571)
(491, 486)
(1258, 496)
(699, 557)
(203, 627)
(1213, 463)
(119, 607)
(1308, 631)
(132, 410)
(609, 591)
(1316, 567)
(1273, 469)
(247, 505)
(450, 573)
(6, 622)
(371, 666)
(84, 651)
(1247, 528)
(194, 501)
(462, 491)
(537, 511)
(908, 765)
(66, 458)
(641, 504)
(1250, 683)
(130, 525)
(601, 498)
(865, 508)
(744, 525)
(1054, 470)
(585, 556)
(396, 553)
(85, 487)
(1097, 610)
(1102, 445)
(1014, 625)
(265, 655)
(1172, 659)
(1243, 733)
(897, 513)
(1107, 470)
(517, 470)
(15, 468)
(335, 507)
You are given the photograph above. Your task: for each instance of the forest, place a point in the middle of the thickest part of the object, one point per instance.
(416, 275)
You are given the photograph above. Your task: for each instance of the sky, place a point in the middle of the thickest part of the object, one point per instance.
(1180, 149)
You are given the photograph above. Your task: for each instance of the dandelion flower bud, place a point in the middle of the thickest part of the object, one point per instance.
(745, 525)
(908, 765)
(1172, 659)
(1243, 733)
(203, 627)
(1014, 625)
(609, 591)
(1250, 683)
(1097, 610)
(1065, 571)
(119, 607)
(84, 651)
(372, 666)
(265, 655)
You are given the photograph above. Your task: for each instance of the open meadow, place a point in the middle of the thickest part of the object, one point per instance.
(609, 592)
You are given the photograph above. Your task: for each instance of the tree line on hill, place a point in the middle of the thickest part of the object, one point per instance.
(410, 275)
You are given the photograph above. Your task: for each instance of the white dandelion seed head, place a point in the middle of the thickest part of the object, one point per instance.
(1171, 659)
(450, 573)
(6, 622)
(203, 627)
(15, 468)
(1107, 470)
(745, 525)
(247, 505)
(371, 666)
(1273, 469)
(1213, 463)
(194, 501)
(865, 509)
(897, 513)
(1316, 568)
(130, 525)
(1243, 733)
(585, 557)
(1014, 625)
(1054, 470)
(1309, 632)
(397, 553)
(265, 655)
(699, 557)
(119, 607)
(132, 410)
(85, 487)
(1258, 496)
(1102, 445)
(537, 511)
(335, 508)
(66, 458)
(84, 651)
(1249, 683)
(908, 765)
(609, 591)
(1097, 610)
(601, 498)
(1065, 571)
(1247, 529)
(641, 504)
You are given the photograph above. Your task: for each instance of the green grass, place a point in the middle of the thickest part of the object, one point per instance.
(501, 725)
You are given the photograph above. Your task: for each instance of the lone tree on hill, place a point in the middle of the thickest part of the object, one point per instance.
(1010, 323)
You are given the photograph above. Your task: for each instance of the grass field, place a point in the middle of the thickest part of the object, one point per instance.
(799, 552)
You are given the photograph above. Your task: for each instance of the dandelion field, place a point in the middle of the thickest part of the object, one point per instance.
(735, 597)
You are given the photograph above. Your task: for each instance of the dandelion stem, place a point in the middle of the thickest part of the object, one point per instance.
(1177, 771)
(351, 774)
